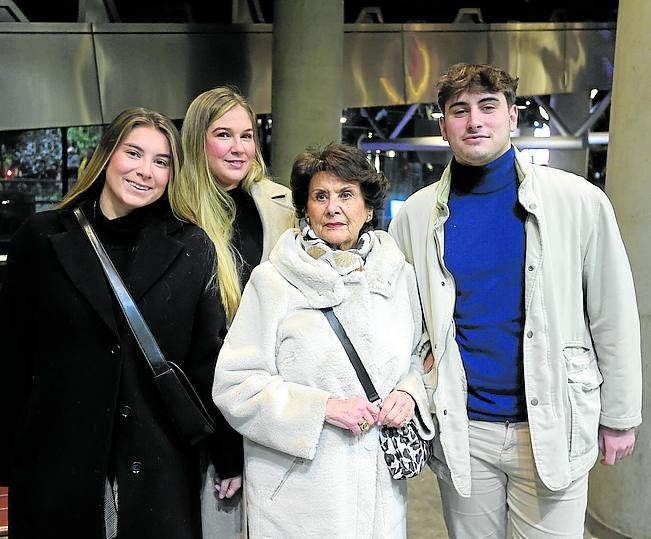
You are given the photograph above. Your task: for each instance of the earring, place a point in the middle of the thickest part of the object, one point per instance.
(369, 217)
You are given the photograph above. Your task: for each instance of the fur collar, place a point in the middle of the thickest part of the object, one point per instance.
(321, 285)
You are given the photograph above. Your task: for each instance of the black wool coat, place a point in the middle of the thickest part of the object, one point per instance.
(77, 400)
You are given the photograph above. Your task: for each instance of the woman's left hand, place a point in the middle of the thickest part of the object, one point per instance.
(397, 409)
(227, 487)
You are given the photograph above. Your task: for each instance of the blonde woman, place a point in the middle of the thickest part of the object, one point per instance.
(87, 444)
(224, 188)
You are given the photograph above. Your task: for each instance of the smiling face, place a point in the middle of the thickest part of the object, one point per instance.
(477, 126)
(336, 209)
(230, 147)
(137, 173)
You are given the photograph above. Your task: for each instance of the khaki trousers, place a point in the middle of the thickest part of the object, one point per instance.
(508, 498)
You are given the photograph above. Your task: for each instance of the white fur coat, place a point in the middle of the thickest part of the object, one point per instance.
(279, 365)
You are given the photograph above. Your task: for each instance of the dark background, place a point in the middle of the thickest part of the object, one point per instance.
(421, 11)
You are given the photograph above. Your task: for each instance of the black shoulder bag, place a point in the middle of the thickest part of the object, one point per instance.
(184, 406)
(405, 452)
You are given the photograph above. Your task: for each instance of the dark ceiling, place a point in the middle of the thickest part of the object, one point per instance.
(220, 11)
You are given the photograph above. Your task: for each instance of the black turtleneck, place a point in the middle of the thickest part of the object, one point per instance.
(119, 235)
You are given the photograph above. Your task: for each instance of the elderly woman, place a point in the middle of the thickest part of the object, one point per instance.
(313, 461)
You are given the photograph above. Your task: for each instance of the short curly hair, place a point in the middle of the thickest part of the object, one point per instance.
(475, 78)
(344, 161)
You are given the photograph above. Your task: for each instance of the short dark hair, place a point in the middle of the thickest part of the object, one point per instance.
(475, 78)
(344, 161)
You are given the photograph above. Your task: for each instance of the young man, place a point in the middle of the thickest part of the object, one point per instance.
(529, 302)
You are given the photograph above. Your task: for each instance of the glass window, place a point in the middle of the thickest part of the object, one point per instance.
(37, 168)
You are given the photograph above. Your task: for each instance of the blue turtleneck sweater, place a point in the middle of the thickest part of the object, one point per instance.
(484, 251)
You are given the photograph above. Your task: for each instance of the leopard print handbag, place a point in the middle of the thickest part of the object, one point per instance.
(405, 451)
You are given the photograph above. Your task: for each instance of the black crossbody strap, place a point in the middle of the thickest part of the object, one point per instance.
(361, 371)
(139, 327)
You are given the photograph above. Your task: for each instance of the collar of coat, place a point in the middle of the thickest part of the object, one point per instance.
(274, 191)
(321, 285)
(156, 250)
(526, 194)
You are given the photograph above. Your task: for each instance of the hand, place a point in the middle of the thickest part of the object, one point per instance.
(397, 409)
(348, 413)
(428, 362)
(615, 444)
(227, 487)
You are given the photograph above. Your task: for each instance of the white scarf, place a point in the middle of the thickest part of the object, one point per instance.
(343, 261)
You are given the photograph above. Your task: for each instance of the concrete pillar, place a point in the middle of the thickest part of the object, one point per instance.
(306, 97)
(572, 109)
(619, 496)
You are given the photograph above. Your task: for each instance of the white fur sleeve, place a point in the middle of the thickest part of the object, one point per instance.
(247, 387)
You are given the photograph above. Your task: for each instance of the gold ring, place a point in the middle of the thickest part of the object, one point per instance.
(363, 425)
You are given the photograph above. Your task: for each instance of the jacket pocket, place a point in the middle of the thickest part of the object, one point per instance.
(584, 395)
(279, 487)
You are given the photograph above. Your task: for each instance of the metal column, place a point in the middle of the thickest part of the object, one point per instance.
(306, 101)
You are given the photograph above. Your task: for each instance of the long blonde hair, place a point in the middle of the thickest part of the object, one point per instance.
(115, 133)
(199, 197)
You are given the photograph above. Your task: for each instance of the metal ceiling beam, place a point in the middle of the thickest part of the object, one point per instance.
(595, 114)
(404, 120)
(437, 144)
(553, 117)
(10, 12)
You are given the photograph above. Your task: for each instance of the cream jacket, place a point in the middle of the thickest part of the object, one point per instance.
(274, 204)
(581, 348)
(279, 365)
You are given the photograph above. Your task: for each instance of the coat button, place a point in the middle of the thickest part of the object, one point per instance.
(442, 283)
(530, 334)
(534, 402)
(125, 411)
(445, 412)
(530, 268)
(115, 350)
(135, 468)
(532, 206)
